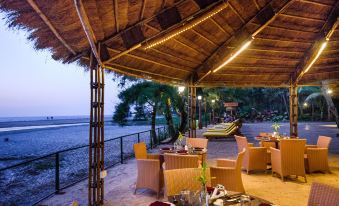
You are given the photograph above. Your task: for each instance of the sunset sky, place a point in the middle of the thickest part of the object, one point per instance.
(33, 84)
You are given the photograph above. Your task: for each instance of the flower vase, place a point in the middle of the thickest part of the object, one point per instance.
(204, 196)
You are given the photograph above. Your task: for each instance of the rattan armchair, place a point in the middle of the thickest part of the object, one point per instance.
(197, 142)
(183, 179)
(323, 195)
(255, 158)
(289, 160)
(149, 172)
(175, 161)
(316, 158)
(228, 173)
(140, 151)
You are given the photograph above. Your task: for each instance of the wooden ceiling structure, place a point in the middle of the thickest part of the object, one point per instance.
(178, 41)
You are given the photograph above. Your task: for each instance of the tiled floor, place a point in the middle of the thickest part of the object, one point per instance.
(119, 184)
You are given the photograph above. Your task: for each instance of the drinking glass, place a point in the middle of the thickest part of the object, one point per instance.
(185, 197)
(245, 200)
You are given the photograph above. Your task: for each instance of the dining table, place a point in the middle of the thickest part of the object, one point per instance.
(201, 152)
(232, 198)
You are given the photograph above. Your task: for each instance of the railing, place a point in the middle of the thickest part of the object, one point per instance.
(32, 181)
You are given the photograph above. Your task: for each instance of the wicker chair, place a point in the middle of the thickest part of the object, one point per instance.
(174, 161)
(316, 157)
(228, 173)
(323, 195)
(255, 158)
(266, 144)
(289, 160)
(183, 179)
(140, 151)
(197, 142)
(149, 172)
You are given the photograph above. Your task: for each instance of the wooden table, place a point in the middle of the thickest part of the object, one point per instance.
(268, 139)
(201, 154)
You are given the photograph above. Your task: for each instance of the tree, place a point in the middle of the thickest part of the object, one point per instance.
(154, 98)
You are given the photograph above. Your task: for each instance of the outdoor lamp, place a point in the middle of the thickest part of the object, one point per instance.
(305, 104)
(213, 100)
(181, 89)
(199, 97)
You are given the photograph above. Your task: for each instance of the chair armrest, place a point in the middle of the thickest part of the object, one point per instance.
(153, 156)
(275, 156)
(311, 146)
(226, 163)
(318, 151)
(250, 144)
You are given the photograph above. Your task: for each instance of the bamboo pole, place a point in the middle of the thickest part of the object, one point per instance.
(87, 28)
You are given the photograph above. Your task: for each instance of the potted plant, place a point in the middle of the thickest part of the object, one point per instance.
(276, 127)
(203, 180)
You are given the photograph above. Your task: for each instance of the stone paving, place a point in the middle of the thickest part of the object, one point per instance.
(119, 184)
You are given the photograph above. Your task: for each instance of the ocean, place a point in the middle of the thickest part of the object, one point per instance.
(24, 138)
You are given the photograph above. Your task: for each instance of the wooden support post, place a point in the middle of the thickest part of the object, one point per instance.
(96, 134)
(194, 111)
(192, 106)
(293, 110)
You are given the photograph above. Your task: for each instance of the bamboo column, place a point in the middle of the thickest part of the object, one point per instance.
(192, 106)
(96, 135)
(293, 110)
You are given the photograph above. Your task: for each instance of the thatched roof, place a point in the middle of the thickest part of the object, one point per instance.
(287, 37)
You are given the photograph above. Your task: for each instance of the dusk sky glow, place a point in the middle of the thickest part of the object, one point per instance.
(33, 84)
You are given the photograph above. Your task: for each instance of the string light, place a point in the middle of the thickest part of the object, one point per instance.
(247, 44)
(323, 46)
(184, 29)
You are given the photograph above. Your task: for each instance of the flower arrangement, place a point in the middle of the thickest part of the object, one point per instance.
(276, 126)
(180, 137)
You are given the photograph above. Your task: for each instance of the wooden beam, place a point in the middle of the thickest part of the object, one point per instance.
(143, 71)
(236, 12)
(219, 26)
(143, 9)
(318, 46)
(116, 14)
(273, 50)
(173, 56)
(317, 3)
(137, 74)
(204, 37)
(87, 29)
(50, 25)
(282, 40)
(240, 38)
(151, 61)
(240, 84)
(256, 5)
(302, 18)
(163, 4)
(287, 29)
